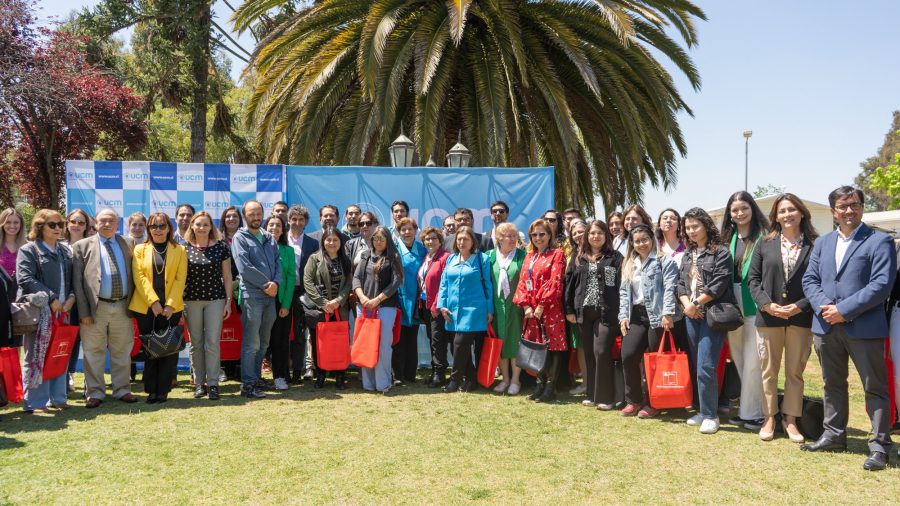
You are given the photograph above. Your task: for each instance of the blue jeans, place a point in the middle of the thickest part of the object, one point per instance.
(379, 378)
(706, 344)
(257, 318)
(50, 391)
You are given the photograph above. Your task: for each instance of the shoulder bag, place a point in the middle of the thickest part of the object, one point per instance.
(722, 315)
(532, 356)
(162, 343)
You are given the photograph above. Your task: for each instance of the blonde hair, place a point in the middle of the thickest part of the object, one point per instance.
(4, 217)
(508, 228)
(40, 219)
(213, 231)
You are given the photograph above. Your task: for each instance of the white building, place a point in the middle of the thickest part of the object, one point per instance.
(887, 221)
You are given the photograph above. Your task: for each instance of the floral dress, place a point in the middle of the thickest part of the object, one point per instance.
(544, 273)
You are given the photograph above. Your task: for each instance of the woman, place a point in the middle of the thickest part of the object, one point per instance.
(12, 226)
(405, 359)
(704, 279)
(577, 228)
(466, 304)
(648, 309)
(207, 301)
(137, 227)
(554, 220)
(354, 247)
(44, 267)
(592, 302)
(669, 235)
(617, 231)
(229, 223)
(540, 294)
(742, 227)
(280, 340)
(327, 281)
(160, 267)
(77, 228)
(429, 279)
(785, 316)
(375, 283)
(506, 267)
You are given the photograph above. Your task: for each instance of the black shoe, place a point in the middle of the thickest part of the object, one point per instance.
(252, 392)
(263, 384)
(151, 399)
(453, 386)
(876, 461)
(340, 382)
(200, 391)
(824, 445)
(754, 425)
(538, 390)
(162, 398)
(297, 378)
(549, 393)
(736, 420)
(320, 380)
(214, 393)
(470, 386)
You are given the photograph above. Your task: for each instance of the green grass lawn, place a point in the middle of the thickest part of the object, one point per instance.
(413, 446)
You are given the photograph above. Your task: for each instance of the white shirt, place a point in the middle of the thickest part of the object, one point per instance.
(637, 292)
(843, 243)
(297, 245)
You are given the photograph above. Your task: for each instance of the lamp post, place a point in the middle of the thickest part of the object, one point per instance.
(402, 150)
(459, 155)
(747, 135)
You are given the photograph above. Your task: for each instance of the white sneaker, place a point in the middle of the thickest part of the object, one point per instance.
(695, 420)
(709, 426)
(580, 389)
(513, 389)
(501, 387)
(281, 384)
(587, 402)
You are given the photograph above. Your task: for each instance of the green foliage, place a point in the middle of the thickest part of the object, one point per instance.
(877, 199)
(769, 189)
(887, 179)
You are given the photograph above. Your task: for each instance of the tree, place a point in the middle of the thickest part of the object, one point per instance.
(769, 189)
(572, 84)
(876, 198)
(55, 106)
(887, 180)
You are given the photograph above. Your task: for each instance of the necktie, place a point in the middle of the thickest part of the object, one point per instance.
(117, 291)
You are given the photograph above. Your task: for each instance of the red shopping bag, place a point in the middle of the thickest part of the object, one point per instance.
(490, 357)
(668, 376)
(62, 341)
(617, 348)
(11, 374)
(232, 335)
(366, 339)
(136, 346)
(333, 343)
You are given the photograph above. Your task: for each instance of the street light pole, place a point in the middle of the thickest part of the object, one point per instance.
(747, 135)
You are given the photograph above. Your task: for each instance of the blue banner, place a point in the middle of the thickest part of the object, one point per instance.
(432, 193)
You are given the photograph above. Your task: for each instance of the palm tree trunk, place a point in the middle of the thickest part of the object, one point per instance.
(200, 71)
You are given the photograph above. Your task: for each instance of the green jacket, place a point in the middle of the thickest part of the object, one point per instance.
(289, 276)
(746, 297)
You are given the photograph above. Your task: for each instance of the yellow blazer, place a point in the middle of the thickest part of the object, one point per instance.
(176, 276)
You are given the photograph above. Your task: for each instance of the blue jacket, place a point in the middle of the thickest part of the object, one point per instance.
(466, 290)
(858, 288)
(659, 280)
(411, 258)
(257, 262)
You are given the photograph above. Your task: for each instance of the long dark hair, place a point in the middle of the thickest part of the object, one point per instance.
(282, 239)
(390, 253)
(342, 255)
(713, 239)
(758, 221)
(584, 248)
(679, 231)
(222, 229)
(806, 226)
(559, 237)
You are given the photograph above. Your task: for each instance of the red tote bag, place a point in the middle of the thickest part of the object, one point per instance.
(668, 376)
(490, 357)
(366, 339)
(232, 335)
(62, 341)
(11, 374)
(333, 343)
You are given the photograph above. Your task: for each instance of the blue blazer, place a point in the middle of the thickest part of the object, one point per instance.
(463, 293)
(411, 259)
(858, 287)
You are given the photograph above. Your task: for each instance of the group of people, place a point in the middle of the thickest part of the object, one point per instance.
(593, 289)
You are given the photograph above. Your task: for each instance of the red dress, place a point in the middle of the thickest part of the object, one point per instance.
(546, 275)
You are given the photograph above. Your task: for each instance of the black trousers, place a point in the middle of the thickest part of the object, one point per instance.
(437, 336)
(463, 368)
(158, 373)
(635, 343)
(405, 355)
(280, 345)
(298, 345)
(597, 338)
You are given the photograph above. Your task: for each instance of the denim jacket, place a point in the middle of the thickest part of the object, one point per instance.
(659, 281)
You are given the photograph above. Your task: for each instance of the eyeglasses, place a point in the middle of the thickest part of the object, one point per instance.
(366, 223)
(158, 226)
(80, 223)
(56, 224)
(498, 211)
(538, 234)
(856, 206)
(430, 238)
(551, 220)
(378, 238)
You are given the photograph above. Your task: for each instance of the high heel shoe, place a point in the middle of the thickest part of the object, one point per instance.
(767, 435)
(794, 435)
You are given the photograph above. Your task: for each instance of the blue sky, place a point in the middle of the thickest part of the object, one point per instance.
(816, 81)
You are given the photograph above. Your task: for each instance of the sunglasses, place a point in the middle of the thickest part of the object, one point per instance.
(498, 211)
(538, 234)
(158, 226)
(366, 223)
(378, 238)
(56, 224)
(80, 223)
(551, 220)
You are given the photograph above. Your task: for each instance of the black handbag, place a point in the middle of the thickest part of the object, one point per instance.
(532, 356)
(724, 316)
(163, 343)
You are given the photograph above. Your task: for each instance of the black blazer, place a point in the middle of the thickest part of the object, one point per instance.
(716, 270)
(309, 246)
(576, 283)
(766, 283)
(7, 297)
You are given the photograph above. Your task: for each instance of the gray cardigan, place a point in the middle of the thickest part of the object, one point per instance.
(38, 270)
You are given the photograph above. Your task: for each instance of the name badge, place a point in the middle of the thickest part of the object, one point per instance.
(529, 285)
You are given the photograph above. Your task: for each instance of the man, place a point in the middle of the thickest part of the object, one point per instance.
(256, 258)
(328, 216)
(351, 215)
(463, 218)
(399, 210)
(183, 216)
(101, 275)
(304, 246)
(499, 214)
(449, 226)
(569, 215)
(851, 272)
(280, 209)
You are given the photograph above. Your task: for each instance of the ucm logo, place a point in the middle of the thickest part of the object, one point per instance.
(190, 177)
(109, 203)
(82, 175)
(215, 204)
(243, 179)
(135, 176)
(164, 203)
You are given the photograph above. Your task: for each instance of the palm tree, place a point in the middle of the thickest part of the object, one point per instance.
(573, 84)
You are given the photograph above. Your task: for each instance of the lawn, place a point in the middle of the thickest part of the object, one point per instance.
(415, 446)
